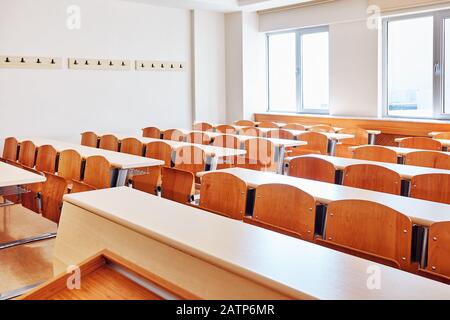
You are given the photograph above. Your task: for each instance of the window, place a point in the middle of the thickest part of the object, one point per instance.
(417, 84)
(298, 77)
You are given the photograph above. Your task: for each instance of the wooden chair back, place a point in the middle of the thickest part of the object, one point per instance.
(202, 126)
(224, 194)
(251, 131)
(151, 132)
(177, 185)
(46, 159)
(281, 134)
(361, 136)
(10, 149)
(132, 146)
(190, 158)
(174, 135)
(429, 159)
(97, 172)
(78, 186)
(294, 126)
(285, 209)
(438, 259)
(161, 151)
(420, 143)
(312, 168)
(372, 177)
(27, 154)
(322, 128)
(226, 129)
(268, 124)
(443, 136)
(227, 141)
(317, 142)
(375, 153)
(109, 142)
(89, 139)
(369, 230)
(260, 155)
(245, 123)
(198, 138)
(69, 165)
(52, 194)
(432, 187)
(148, 182)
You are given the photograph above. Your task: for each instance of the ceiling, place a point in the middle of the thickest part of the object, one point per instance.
(223, 5)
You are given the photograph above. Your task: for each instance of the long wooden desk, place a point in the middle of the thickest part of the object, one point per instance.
(445, 143)
(401, 152)
(121, 162)
(213, 257)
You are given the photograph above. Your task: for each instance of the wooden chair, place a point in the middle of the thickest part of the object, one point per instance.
(369, 230)
(27, 154)
(260, 155)
(159, 150)
(245, 123)
(109, 142)
(202, 126)
(226, 141)
(429, 159)
(438, 258)
(89, 139)
(69, 165)
(177, 185)
(148, 182)
(285, 209)
(226, 129)
(322, 128)
(173, 134)
(198, 138)
(52, 194)
(432, 187)
(294, 126)
(10, 149)
(190, 158)
(317, 143)
(372, 177)
(375, 153)
(361, 137)
(420, 143)
(97, 172)
(78, 186)
(268, 124)
(151, 132)
(132, 146)
(281, 134)
(443, 136)
(46, 159)
(251, 132)
(312, 168)
(224, 194)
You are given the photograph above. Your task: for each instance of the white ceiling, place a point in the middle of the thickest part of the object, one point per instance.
(223, 5)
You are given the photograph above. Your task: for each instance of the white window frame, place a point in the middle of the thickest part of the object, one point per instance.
(298, 73)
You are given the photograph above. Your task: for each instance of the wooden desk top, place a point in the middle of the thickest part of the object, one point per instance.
(116, 159)
(286, 264)
(14, 176)
(421, 212)
(330, 136)
(405, 171)
(307, 127)
(400, 151)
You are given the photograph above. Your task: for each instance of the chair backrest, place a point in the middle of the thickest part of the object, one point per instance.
(268, 124)
(177, 185)
(361, 136)
(78, 186)
(420, 143)
(151, 132)
(97, 172)
(280, 134)
(294, 126)
(312, 168)
(226, 129)
(251, 131)
(46, 159)
(198, 138)
(429, 159)
(370, 230)
(202, 126)
(227, 141)
(372, 177)
(52, 194)
(69, 165)
(321, 128)
(159, 150)
(223, 193)
(190, 158)
(10, 149)
(443, 136)
(132, 146)
(173, 134)
(89, 139)
(375, 153)
(27, 154)
(245, 123)
(109, 142)
(148, 182)
(260, 154)
(439, 249)
(286, 209)
(317, 142)
(432, 187)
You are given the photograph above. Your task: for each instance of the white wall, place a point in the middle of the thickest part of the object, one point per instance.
(63, 103)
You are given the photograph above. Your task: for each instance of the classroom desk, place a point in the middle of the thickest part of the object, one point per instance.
(214, 257)
(445, 143)
(121, 162)
(401, 152)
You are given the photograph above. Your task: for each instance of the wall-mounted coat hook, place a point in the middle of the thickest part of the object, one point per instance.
(99, 64)
(38, 60)
(86, 63)
(23, 62)
(111, 63)
(53, 61)
(171, 66)
(7, 60)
